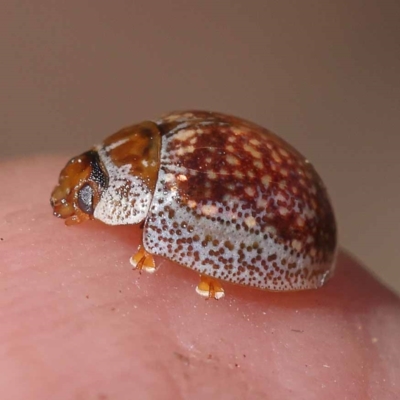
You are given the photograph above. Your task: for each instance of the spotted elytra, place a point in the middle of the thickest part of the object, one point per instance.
(215, 193)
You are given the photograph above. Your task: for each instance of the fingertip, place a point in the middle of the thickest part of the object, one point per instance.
(84, 295)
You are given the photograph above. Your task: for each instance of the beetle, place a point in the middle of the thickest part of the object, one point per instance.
(215, 193)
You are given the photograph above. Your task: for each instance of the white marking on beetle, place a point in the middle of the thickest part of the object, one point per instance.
(262, 203)
(255, 153)
(250, 221)
(276, 157)
(116, 144)
(181, 125)
(171, 118)
(185, 149)
(250, 191)
(238, 174)
(232, 159)
(284, 172)
(182, 178)
(270, 229)
(209, 209)
(184, 134)
(192, 203)
(211, 175)
(255, 142)
(297, 245)
(281, 197)
(300, 221)
(169, 177)
(283, 211)
(236, 131)
(258, 164)
(266, 180)
(283, 152)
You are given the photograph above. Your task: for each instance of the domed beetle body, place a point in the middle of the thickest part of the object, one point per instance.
(215, 193)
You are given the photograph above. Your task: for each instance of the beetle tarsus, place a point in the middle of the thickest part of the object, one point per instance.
(143, 261)
(210, 288)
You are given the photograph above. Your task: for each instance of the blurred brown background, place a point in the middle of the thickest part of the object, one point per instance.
(323, 74)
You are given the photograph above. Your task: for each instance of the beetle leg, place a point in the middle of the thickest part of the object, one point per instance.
(210, 288)
(143, 260)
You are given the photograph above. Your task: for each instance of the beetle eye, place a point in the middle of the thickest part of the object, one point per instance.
(85, 199)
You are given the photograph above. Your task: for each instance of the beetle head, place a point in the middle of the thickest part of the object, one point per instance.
(80, 185)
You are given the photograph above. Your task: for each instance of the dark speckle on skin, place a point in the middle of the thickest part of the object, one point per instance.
(182, 358)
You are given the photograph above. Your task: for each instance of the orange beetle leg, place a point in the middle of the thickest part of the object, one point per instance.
(143, 260)
(210, 288)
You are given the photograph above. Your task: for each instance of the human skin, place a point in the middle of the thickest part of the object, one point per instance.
(77, 323)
